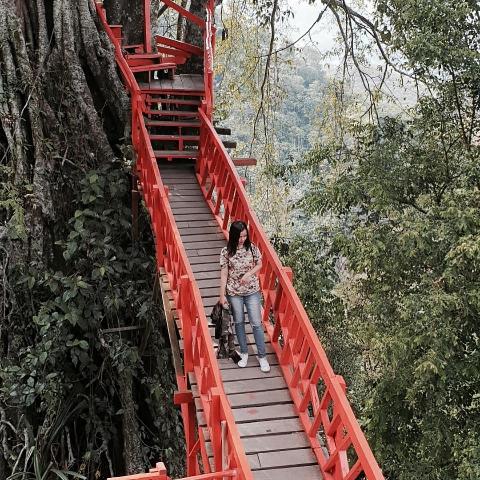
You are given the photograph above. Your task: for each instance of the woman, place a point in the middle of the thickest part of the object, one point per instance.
(240, 261)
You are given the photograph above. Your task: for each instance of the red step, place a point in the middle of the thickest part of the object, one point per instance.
(172, 113)
(186, 47)
(173, 101)
(169, 123)
(175, 138)
(173, 52)
(143, 56)
(154, 67)
(171, 154)
(153, 90)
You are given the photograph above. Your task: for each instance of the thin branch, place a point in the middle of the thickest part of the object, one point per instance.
(267, 69)
(372, 31)
(320, 15)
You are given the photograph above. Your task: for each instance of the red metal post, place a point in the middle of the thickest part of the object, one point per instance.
(147, 27)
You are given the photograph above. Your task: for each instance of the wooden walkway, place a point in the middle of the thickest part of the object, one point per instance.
(272, 435)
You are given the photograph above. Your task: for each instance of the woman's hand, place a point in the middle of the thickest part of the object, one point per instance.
(223, 300)
(246, 277)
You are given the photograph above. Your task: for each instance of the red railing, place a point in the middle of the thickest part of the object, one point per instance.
(160, 473)
(208, 31)
(199, 357)
(318, 394)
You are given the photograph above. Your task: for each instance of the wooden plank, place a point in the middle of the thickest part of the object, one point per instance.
(270, 443)
(186, 217)
(184, 188)
(184, 196)
(202, 237)
(259, 399)
(206, 267)
(269, 412)
(254, 385)
(208, 251)
(191, 201)
(223, 130)
(205, 259)
(179, 173)
(209, 282)
(249, 373)
(302, 473)
(175, 153)
(287, 458)
(171, 113)
(192, 210)
(172, 123)
(210, 302)
(187, 225)
(267, 427)
(173, 138)
(172, 101)
(207, 275)
(226, 363)
(209, 292)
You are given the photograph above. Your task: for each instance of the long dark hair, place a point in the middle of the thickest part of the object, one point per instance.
(236, 228)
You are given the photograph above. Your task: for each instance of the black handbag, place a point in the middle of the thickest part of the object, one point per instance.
(222, 320)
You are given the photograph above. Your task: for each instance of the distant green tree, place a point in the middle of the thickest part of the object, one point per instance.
(404, 196)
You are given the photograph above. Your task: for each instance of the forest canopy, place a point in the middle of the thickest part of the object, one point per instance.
(380, 216)
(368, 183)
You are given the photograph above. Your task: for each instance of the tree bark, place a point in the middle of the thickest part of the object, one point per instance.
(63, 111)
(194, 35)
(58, 73)
(129, 14)
(132, 446)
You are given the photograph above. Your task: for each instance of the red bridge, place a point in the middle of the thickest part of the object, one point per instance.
(294, 421)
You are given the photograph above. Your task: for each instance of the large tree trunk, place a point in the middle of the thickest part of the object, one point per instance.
(194, 35)
(129, 14)
(57, 71)
(64, 113)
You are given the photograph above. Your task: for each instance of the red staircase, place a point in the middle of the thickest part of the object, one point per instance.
(294, 421)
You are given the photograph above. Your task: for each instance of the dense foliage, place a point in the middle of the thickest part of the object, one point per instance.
(81, 376)
(390, 272)
(80, 366)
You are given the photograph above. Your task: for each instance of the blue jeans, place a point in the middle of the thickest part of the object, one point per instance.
(252, 302)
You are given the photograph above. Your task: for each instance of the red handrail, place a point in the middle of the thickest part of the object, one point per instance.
(199, 356)
(329, 421)
(159, 472)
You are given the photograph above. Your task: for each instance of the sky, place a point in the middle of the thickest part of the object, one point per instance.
(304, 16)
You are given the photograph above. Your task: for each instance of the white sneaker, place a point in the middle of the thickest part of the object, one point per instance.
(264, 365)
(243, 362)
